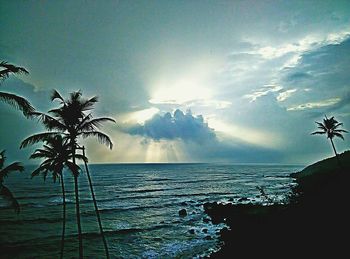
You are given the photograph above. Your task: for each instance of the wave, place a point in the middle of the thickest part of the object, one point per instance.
(88, 235)
(33, 221)
(148, 190)
(158, 180)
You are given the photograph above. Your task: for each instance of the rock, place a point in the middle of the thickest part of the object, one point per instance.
(183, 213)
(191, 231)
(205, 230)
(231, 199)
(208, 238)
(206, 220)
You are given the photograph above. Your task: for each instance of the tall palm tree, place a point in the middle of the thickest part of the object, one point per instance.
(4, 171)
(16, 101)
(330, 127)
(56, 153)
(71, 120)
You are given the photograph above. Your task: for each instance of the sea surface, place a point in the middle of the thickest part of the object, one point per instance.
(139, 206)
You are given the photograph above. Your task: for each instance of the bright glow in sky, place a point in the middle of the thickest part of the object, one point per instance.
(250, 77)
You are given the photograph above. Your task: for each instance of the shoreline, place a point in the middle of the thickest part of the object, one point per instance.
(313, 222)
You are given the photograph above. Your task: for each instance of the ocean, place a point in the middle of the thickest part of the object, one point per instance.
(139, 206)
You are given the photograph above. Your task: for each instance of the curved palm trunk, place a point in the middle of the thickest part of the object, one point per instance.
(96, 208)
(77, 208)
(63, 216)
(335, 152)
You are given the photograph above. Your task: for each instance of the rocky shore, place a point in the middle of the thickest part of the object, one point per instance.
(314, 222)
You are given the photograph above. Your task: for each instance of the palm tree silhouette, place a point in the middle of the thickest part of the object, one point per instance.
(4, 171)
(331, 128)
(56, 153)
(71, 120)
(16, 101)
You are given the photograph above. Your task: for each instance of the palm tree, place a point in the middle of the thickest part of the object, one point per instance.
(331, 128)
(16, 101)
(4, 171)
(71, 120)
(56, 153)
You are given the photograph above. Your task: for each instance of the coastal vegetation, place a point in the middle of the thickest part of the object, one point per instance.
(330, 127)
(23, 105)
(65, 125)
(18, 102)
(71, 120)
(4, 172)
(57, 155)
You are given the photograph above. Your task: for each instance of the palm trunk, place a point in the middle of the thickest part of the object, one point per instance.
(77, 208)
(96, 208)
(335, 152)
(63, 216)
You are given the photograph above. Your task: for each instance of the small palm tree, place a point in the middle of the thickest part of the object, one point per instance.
(16, 101)
(71, 120)
(56, 153)
(4, 171)
(331, 128)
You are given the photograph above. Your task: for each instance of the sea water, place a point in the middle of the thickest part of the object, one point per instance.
(139, 206)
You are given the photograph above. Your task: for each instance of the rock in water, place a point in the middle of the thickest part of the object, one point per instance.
(182, 213)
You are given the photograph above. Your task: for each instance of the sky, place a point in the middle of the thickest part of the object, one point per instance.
(186, 81)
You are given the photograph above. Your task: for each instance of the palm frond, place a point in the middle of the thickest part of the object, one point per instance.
(101, 137)
(321, 126)
(86, 118)
(37, 171)
(49, 122)
(9, 68)
(2, 158)
(16, 166)
(91, 125)
(337, 125)
(81, 157)
(7, 194)
(318, 133)
(89, 104)
(39, 155)
(17, 102)
(73, 168)
(340, 130)
(41, 137)
(338, 135)
(56, 95)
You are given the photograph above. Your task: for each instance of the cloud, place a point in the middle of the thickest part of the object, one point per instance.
(262, 92)
(15, 126)
(169, 126)
(314, 105)
(282, 96)
(321, 80)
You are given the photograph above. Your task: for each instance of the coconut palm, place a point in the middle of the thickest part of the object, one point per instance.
(71, 120)
(56, 154)
(4, 171)
(16, 101)
(331, 128)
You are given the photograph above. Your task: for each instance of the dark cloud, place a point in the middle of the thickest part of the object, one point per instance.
(179, 125)
(14, 126)
(321, 74)
(40, 99)
(294, 77)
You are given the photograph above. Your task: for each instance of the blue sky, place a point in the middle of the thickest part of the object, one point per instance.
(230, 81)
